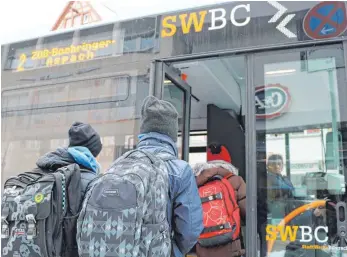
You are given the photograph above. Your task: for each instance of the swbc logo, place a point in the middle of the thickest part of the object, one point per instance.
(196, 20)
(289, 233)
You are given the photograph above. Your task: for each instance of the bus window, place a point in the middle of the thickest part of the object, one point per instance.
(334, 151)
(299, 123)
(175, 95)
(20, 56)
(102, 35)
(57, 43)
(36, 119)
(90, 91)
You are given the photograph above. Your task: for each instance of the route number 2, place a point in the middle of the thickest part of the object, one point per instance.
(22, 60)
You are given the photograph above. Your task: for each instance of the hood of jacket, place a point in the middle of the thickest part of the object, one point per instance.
(54, 160)
(157, 142)
(199, 167)
(65, 156)
(84, 157)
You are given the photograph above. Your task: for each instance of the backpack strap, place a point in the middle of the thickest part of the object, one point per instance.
(213, 178)
(165, 156)
(14, 181)
(23, 179)
(219, 227)
(74, 194)
(146, 153)
(229, 176)
(60, 190)
(29, 177)
(71, 188)
(218, 196)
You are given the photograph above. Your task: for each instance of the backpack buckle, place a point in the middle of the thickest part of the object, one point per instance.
(5, 230)
(218, 196)
(31, 233)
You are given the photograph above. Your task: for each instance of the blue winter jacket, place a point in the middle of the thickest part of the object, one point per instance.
(284, 201)
(281, 184)
(184, 210)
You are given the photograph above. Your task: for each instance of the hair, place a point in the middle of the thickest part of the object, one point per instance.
(275, 158)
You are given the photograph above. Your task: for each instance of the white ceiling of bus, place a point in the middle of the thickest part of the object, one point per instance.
(218, 81)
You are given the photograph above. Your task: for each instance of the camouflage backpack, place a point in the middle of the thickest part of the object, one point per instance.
(124, 213)
(39, 213)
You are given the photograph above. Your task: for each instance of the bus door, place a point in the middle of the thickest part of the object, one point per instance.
(300, 97)
(168, 84)
(223, 127)
(209, 94)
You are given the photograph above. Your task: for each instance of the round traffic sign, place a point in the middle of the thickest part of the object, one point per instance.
(325, 20)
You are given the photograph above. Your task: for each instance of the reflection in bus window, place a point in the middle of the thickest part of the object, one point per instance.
(53, 42)
(20, 56)
(300, 154)
(129, 45)
(81, 92)
(140, 42)
(102, 34)
(36, 120)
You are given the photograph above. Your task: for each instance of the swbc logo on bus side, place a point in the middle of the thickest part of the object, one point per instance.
(271, 101)
(291, 232)
(218, 19)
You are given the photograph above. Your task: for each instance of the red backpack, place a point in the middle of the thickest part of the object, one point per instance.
(222, 221)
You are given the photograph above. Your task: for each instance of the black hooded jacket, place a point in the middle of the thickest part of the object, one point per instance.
(60, 158)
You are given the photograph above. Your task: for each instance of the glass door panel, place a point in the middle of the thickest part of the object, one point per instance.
(301, 156)
(176, 91)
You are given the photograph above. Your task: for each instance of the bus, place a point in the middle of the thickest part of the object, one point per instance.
(261, 78)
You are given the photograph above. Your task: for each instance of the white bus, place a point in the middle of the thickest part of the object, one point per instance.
(261, 78)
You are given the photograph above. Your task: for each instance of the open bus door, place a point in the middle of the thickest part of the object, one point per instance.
(168, 84)
(223, 128)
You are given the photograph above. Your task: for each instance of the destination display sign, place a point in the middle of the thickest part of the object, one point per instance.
(64, 55)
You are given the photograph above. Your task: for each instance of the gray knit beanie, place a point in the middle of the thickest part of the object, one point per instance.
(159, 116)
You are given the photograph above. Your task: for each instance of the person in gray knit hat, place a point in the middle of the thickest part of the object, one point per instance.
(159, 129)
(159, 116)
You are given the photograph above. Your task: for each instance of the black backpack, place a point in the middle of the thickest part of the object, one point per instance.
(39, 213)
